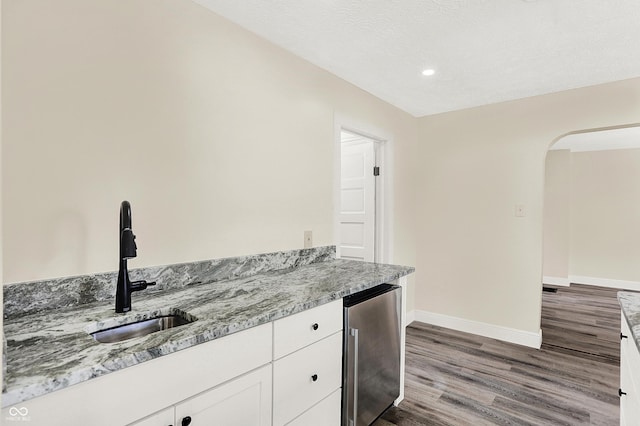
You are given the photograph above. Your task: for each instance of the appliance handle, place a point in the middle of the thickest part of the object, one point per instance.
(354, 333)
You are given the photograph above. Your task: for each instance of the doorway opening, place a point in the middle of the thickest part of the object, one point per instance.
(591, 206)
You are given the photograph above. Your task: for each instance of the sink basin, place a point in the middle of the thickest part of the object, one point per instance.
(141, 328)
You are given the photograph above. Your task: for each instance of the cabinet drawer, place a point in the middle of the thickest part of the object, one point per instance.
(629, 353)
(325, 413)
(629, 377)
(163, 418)
(302, 329)
(294, 387)
(240, 402)
(629, 403)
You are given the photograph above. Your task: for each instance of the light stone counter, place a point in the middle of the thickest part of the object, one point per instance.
(630, 304)
(49, 348)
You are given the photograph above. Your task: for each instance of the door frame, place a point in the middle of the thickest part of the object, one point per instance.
(383, 251)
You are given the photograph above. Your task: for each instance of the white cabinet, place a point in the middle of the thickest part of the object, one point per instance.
(240, 402)
(304, 328)
(165, 417)
(285, 372)
(308, 365)
(244, 401)
(301, 385)
(305, 377)
(325, 413)
(133, 393)
(629, 377)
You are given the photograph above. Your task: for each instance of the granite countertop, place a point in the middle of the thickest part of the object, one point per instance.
(50, 350)
(630, 304)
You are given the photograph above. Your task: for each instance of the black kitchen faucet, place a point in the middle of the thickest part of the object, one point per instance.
(128, 248)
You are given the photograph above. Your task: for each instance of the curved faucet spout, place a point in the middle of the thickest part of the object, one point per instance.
(125, 215)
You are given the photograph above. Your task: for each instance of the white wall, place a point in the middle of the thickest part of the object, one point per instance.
(477, 260)
(605, 212)
(557, 217)
(223, 143)
(591, 227)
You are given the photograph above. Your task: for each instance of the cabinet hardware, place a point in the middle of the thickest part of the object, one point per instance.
(622, 336)
(186, 421)
(620, 393)
(315, 326)
(314, 377)
(354, 333)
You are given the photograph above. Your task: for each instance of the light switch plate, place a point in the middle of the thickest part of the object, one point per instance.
(308, 239)
(520, 210)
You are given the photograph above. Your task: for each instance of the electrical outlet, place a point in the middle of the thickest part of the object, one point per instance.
(520, 210)
(308, 239)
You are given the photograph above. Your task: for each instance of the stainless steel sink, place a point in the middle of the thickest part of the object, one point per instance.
(141, 328)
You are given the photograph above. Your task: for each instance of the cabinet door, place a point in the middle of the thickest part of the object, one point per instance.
(629, 377)
(162, 418)
(240, 402)
(325, 413)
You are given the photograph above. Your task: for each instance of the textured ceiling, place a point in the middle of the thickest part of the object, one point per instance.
(483, 51)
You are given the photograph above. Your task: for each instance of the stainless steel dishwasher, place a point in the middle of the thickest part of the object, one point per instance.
(371, 362)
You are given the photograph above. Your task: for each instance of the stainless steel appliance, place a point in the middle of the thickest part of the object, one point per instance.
(371, 362)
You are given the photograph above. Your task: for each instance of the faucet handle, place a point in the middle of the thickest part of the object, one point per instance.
(140, 285)
(128, 245)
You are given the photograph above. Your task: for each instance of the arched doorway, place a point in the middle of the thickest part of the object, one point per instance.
(592, 209)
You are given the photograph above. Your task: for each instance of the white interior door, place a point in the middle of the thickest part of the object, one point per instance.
(357, 200)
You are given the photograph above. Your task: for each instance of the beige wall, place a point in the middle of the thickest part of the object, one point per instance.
(592, 205)
(605, 212)
(223, 143)
(224, 146)
(476, 259)
(557, 215)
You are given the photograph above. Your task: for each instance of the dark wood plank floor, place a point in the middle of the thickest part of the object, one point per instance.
(454, 378)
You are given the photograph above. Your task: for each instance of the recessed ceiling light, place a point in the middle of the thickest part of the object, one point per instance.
(428, 72)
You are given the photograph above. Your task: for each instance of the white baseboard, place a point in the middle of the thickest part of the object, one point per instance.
(605, 282)
(411, 317)
(511, 335)
(560, 281)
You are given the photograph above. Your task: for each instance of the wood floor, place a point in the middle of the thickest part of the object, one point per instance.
(454, 378)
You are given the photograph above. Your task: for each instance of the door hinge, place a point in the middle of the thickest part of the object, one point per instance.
(376, 171)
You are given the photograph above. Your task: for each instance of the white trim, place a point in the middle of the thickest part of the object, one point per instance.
(411, 316)
(384, 186)
(605, 282)
(600, 140)
(337, 160)
(402, 282)
(560, 281)
(511, 335)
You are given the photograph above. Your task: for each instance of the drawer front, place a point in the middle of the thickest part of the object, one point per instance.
(324, 413)
(629, 403)
(630, 355)
(165, 417)
(243, 401)
(302, 329)
(629, 377)
(294, 387)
